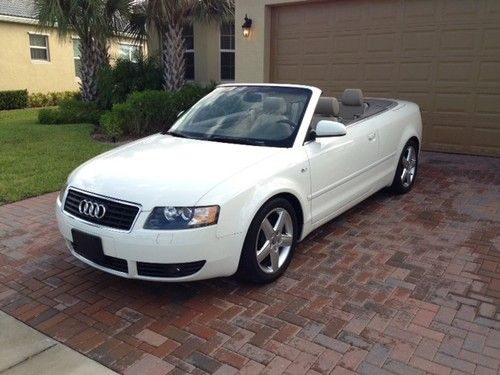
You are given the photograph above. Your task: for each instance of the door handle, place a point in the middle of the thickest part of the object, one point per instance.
(371, 136)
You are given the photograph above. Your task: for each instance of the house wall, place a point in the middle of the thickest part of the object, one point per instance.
(206, 52)
(18, 71)
(252, 53)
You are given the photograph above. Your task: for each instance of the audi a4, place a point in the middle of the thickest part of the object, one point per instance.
(240, 178)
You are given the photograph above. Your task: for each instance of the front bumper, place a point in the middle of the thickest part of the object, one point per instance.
(141, 246)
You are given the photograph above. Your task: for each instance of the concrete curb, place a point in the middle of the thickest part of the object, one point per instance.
(24, 351)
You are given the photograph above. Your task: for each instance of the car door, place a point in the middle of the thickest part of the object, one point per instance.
(340, 170)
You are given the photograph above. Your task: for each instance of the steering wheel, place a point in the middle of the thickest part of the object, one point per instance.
(288, 122)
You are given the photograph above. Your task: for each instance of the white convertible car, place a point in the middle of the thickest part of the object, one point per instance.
(237, 182)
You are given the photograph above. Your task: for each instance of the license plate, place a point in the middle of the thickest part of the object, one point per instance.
(88, 246)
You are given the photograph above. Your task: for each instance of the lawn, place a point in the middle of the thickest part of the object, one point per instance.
(36, 159)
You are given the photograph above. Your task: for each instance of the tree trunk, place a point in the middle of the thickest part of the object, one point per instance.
(103, 52)
(172, 57)
(94, 56)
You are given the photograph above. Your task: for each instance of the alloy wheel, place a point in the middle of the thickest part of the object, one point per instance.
(274, 240)
(409, 163)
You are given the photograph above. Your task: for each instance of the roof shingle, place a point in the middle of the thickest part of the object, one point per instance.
(18, 8)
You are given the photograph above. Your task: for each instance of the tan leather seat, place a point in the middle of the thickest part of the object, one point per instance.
(326, 109)
(267, 124)
(352, 104)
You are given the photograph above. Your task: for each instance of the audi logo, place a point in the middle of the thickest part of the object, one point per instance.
(92, 209)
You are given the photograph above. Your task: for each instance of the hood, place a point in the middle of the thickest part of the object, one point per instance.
(163, 170)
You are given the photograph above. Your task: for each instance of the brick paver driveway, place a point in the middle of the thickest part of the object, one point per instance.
(406, 284)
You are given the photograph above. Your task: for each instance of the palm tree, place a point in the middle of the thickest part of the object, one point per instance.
(94, 22)
(169, 17)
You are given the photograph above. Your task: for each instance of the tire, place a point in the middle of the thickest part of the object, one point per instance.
(263, 264)
(406, 172)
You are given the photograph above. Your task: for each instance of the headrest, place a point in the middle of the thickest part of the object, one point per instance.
(274, 105)
(327, 106)
(352, 97)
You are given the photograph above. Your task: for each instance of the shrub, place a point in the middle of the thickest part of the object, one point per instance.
(49, 116)
(75, 111)
(13, 99)
(111, 122)
(70, 111)
(50, 99)
(143, 113)
(150, 111)
(125, 77)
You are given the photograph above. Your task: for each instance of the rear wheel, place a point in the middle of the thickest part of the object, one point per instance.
(270, 242)
(406, 171)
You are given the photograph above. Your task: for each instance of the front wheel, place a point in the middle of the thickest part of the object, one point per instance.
(270, 242)
(406, 171)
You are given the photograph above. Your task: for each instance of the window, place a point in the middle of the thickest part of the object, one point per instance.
(76, 58)
(227, 52)
(224, 115)
(188, 36)
(129, 52)
(39, 47)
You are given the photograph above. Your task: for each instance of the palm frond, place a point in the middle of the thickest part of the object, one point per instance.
(213, 10)
(138, 22)
(52, 13)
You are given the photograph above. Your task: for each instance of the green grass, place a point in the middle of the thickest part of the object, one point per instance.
(37, 159)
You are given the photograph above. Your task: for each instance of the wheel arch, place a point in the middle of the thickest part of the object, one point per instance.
(297, 206)
(291, 198)
(246, 265)
(416, 140)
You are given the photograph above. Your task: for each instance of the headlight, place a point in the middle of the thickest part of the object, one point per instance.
(63, 190)
(182, 217)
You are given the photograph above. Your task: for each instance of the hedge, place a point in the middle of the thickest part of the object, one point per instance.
(150, 111)
(117, 82)
(70, 111)
(50, 99)
(13, 99)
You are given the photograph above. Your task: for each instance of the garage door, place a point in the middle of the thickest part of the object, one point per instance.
(443, 55)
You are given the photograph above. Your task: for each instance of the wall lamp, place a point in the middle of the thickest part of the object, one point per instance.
(247, 25)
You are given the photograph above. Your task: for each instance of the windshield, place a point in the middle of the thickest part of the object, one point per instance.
(255, 115)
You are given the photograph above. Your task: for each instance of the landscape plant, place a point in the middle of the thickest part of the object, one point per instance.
(13, 99)
(150, 111)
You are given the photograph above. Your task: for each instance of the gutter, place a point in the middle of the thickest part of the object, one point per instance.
(17, 19)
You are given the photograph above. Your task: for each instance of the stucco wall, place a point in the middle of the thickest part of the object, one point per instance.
(252, 53)
(206, 52)
(18, 71)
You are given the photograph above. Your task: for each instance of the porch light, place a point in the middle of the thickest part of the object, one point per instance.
(247, 25)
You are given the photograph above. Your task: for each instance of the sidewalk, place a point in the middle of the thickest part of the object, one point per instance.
(24, 351)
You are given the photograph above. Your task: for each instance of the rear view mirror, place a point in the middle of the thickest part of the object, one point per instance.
(251, 97)
(327, 128)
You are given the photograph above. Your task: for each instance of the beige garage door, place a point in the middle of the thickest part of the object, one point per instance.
(443, 55)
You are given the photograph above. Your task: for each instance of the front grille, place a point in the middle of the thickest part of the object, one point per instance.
(169, 270)
(113, 263)
(117, 216)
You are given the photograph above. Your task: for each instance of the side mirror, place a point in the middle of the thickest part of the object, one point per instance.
(327, 128)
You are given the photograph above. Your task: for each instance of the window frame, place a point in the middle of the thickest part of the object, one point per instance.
(227, 50)
(132, 48)
(73, 40)
(191, 51)
(46, 48)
